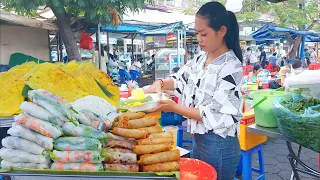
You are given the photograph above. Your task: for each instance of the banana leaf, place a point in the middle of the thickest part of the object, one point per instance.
(25, 90)
(99, 173)
(105, 91)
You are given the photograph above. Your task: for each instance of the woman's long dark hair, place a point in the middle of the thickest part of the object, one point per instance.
(218, 16)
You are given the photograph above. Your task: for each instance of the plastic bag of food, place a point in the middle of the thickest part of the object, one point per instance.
(299, 119)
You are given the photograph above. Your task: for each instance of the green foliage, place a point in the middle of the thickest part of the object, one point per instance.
(286, 14)
(96, 11)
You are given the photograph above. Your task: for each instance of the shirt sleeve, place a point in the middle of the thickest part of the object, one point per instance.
(222, 109)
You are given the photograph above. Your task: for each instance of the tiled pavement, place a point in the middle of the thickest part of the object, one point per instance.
(276, 163)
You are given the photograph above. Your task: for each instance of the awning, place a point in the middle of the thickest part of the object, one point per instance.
(162, 30)
(124, 28)
(272, 32)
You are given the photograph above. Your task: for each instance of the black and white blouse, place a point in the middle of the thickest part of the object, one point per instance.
(215, 90)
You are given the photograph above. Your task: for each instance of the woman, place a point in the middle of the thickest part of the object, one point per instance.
(209, 89)
(104, 58)
(253, 76)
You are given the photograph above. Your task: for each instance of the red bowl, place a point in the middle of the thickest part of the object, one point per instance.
(194, 169)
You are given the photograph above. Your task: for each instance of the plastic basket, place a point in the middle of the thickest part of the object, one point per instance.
(303, 129)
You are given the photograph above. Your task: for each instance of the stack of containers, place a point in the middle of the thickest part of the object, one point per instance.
(32, 134)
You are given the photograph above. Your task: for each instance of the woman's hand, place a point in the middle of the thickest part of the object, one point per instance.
(155, 88)
(166, 106)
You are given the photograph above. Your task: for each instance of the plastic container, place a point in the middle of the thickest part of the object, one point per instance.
(169, 118)
(265, 85)
(263, 112)
(253, 86)
(195, 169)
(247, 139)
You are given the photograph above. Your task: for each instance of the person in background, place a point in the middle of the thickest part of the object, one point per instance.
(253, 76)
(209, 88)
(313, 56)
(297, 67)
(262, 57)
(306, 57)
(104, 58)
(273, 59)
(251, 57)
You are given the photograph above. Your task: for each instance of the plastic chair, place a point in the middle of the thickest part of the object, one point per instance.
(181, 141)
(245, 166)
(134, 75)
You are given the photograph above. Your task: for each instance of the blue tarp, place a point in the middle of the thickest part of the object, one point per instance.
(161, 30)
(272, 32)
(124, 28)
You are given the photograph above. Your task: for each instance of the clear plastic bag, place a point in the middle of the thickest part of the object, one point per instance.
(304, 128)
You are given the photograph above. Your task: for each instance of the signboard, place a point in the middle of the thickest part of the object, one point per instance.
(135, 41)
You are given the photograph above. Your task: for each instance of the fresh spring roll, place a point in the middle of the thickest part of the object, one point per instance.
(83, 131)
(93, 119)
(138, 123)
(12, 142)
(43, 127)
(55, 104)
(19, 131)
(161, 135)
(153, 129)
(8, 164)
(77, 156)
(162, 167)
(150, 141)
(39, 112)
(121, 167)
(120, 158)
(83, 119)
(151, 149)
(119, 138)
(131, 133)
(77, 143)
(168, 156)
(85, 167)
(22, 156)
(120, 150)
(119, 144)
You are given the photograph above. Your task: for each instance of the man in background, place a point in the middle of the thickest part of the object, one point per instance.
(263, 57)
(273, 59)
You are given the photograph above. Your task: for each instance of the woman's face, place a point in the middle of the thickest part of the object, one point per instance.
(208, 39)
(258, 71)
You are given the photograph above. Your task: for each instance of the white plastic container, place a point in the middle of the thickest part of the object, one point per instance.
(148, 105)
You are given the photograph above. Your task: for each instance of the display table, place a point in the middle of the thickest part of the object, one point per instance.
(294, 158)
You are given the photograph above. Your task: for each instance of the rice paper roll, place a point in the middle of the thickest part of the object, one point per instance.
(85, 167)
(12, 142)
(119, 144)
(55, 104)
(131, 133)
(153, 129)
(121, 150)
(22, 156)
(83, 118)
(77, 143)
(162, 167)
(168, 156)
(161, 135)
(119, 157)
(8, 164)
(151, 149)
(121, 167)
(150, 141)
(39, 112)
(43, 127)
(94, 119)
(77, 156)
(83, 131)
(19, 131)
(119, 138)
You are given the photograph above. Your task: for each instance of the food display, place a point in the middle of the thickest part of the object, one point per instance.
(71, 81)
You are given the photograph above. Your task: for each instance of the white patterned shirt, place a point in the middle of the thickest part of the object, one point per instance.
(215, 90)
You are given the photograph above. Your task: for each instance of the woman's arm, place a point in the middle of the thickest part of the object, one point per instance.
(192, 113)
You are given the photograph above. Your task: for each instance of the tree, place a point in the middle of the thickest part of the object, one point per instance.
(66, 11)
(295, 14)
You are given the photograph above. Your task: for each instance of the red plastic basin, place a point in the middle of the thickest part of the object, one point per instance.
(194, 169)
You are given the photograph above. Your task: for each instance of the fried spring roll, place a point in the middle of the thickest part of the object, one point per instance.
(121, 167)
(87, 167)
(161, 135)
(153, 129)
(134, 115)
(130, 133)
(121, 158)
(118, 150)
(119, 138)
(168, 156)
(162, 167)
(151, 149)
(150, 141)
(120, 144)
(142, 123)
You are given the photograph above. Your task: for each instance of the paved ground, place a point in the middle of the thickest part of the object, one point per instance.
(276, 163)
